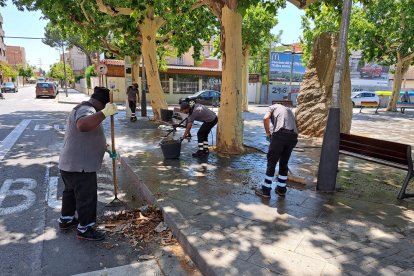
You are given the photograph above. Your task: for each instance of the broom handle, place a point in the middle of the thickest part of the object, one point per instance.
(111, 99)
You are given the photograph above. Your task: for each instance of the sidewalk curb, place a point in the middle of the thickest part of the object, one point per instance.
(182, 239)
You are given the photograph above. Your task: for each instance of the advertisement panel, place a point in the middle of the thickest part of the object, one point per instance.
(367, 76)
(281, 66)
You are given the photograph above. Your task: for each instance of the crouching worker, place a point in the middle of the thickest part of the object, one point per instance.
(81, 157)
(283, 138)
(202, 114)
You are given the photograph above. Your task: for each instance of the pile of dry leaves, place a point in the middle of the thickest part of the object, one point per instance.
(141, 225)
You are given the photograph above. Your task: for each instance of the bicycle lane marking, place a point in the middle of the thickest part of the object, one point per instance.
(12, 138)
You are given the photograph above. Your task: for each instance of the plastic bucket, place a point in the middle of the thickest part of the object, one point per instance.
(166, 115)
(171, 149)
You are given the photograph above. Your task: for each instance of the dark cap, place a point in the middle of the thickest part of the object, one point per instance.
(184, 105)
(101, 94)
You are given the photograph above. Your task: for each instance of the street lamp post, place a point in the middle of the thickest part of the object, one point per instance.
(64, 69)
(143, 91)
(328, 165)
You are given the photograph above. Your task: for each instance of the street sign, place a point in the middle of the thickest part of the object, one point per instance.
(102, 69)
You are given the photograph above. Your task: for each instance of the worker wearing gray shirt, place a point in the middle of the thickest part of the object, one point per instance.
(200, 113)
(81, 157)
(283, 138)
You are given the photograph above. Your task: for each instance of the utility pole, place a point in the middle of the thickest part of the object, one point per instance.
(268, 73)
(64, 69)
(143, 91)
(291, 74)
(328, 165)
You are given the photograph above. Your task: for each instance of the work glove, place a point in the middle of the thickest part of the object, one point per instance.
(110, 109)
(112, 154)
(268, 137)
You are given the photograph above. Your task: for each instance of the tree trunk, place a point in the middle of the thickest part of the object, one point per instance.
(135, 69)
(400, 70)
(149, 29)
(230, 126)
(135, 64)
(245, 79)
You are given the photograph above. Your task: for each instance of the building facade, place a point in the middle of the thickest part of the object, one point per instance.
(2, 45)
(16, 55)
(77, 60)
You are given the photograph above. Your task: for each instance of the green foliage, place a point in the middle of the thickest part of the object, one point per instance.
(7, 70)
(323, 18)
(25, 72)
(57, 72)
(257, 24)
(78, 78)
(89, 72)
(380, 28)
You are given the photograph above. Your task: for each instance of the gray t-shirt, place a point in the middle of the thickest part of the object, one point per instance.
(201, 114)
(132, 94)
(282, 117)
(82, 151)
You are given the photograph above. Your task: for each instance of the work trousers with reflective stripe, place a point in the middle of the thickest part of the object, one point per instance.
(133, 107)
(281, 146)
(204, 130)
(80, 194)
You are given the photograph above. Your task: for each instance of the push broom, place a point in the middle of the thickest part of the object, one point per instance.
(116, 202)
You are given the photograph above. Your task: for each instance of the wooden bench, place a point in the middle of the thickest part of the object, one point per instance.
(404, 105)
(382, 152)
(285, 103)
(369, 104)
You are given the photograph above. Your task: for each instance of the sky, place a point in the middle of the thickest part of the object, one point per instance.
(30, 24)
(289, 21)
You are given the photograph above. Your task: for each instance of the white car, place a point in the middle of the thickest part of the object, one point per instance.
(364, 96)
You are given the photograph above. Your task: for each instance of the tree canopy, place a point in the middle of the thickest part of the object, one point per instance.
(57, 72)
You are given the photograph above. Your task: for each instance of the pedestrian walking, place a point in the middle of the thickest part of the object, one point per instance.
(199, 112)
(283, 138)
(133, 94)
(81, 157)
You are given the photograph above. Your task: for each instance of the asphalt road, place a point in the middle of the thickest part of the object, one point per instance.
(31, 135)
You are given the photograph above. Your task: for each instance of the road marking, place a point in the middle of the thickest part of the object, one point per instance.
(28, 185)
(12, 138)
(60, 127)
(51, 195)
(42, 127)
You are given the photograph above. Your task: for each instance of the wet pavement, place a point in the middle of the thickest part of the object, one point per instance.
(227, 230)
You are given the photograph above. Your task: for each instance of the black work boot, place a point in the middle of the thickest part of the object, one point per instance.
(263, 191)
(90, 235)
(281, 191)
(66, 224)
(206, 151)
(199, 153)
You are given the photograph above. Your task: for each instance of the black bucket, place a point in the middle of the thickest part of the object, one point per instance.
(171, 149)
(166, 115)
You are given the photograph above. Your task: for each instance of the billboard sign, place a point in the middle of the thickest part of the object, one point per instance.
(281, 66)
(365, 76)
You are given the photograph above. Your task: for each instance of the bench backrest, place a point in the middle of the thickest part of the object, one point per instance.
(375, 148)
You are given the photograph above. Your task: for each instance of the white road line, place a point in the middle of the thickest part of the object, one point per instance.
(11, 139)
(51, 195)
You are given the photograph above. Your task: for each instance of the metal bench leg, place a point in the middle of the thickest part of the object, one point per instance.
(402, 193)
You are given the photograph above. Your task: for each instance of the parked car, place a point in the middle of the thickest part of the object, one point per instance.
(363, 96)
(46, 89)
(9, 87)
(373, 71)
(205, 97)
